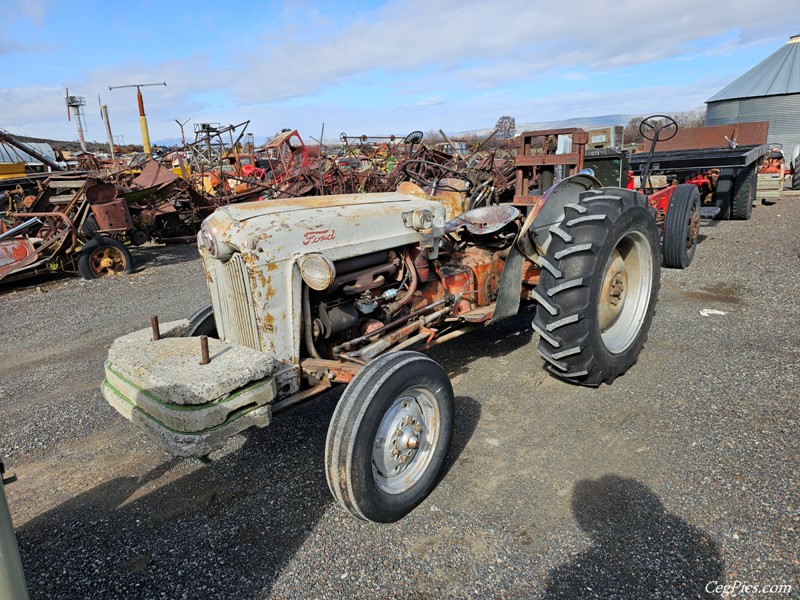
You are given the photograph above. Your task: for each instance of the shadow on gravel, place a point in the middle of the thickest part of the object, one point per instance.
(494, 341)
(639, 549)
(224, 530)
(468, 414)
(149, 256)
(21, 285)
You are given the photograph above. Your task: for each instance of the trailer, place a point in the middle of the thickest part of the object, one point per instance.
(722, 161)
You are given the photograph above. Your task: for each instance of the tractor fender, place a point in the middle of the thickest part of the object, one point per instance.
(535, 236)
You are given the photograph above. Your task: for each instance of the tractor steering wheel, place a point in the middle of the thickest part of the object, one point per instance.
(436, 173)
(415, 137)
(653, 125)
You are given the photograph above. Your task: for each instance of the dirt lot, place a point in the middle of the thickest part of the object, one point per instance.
(681, 473)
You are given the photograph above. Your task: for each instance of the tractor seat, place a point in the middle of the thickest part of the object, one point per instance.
(484, 220)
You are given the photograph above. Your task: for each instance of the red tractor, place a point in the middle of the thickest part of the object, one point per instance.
(677, 205)
(549, 155)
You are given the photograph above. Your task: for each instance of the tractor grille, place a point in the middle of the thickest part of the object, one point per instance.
(232, 300)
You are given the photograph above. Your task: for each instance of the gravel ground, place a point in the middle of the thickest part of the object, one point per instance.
(681, 473)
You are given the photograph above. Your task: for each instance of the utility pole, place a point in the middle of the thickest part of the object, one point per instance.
(148, 150)
(104, 118)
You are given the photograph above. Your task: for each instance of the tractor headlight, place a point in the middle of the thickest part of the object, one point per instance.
(317, 271)
(208, 240)
(216, 248)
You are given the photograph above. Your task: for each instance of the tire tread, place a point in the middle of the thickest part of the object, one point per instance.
(569, 276)
(348, 419)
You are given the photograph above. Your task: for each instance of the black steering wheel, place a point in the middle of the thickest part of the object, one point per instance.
(415, 137)
(654, 126)
(433, 173)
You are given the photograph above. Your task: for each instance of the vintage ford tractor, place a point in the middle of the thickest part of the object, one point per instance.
(311, 292)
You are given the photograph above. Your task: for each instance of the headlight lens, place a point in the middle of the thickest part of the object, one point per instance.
(216, 248)
(317, 271)
(209, 241)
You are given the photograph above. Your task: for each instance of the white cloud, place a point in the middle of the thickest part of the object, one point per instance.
(433, 101)
(486, 44)
(33, 10)
(9, 47)
(463, 50)
(572, 76)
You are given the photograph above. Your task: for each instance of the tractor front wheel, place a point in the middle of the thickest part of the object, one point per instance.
(202, 323)
(599, 285)
(389, 436)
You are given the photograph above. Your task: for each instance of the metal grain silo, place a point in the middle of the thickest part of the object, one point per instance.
(770, 91)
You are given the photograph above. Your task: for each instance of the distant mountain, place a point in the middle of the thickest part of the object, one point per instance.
(694, 116)
(176, 141)
(582, 122)
(169, 142)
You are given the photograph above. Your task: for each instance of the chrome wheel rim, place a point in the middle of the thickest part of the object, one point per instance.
(625, 292)
(406, 440)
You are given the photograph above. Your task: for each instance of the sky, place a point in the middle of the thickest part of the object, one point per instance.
(374, 68)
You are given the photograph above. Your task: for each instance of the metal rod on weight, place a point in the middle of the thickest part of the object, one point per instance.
(204, 359)
(156, 331)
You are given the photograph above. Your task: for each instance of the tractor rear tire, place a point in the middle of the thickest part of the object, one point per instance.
(682, 226)
(796, 174)
(599, 286)
(744, 194)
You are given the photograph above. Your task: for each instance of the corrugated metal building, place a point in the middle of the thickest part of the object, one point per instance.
(10, 154)
(770, 91)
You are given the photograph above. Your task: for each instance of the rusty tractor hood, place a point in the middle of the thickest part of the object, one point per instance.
(339, 226)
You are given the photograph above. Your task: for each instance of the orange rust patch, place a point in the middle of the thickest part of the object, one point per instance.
(531, 274)
(209, 276)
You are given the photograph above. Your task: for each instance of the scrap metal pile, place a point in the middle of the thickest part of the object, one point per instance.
(66, 227)
(366, 164)
(165, 199)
